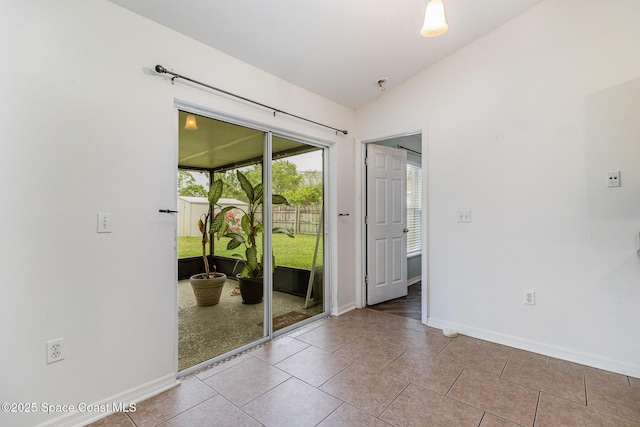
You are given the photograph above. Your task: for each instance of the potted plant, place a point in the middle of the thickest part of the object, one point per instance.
(250, 278)
(207, 286)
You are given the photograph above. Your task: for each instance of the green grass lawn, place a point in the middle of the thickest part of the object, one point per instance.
(296, 252)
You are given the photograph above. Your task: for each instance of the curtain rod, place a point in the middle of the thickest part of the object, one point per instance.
(160, 70)
(409, 149)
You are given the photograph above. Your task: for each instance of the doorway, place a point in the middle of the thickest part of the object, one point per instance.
(272, 229)
(415, 258)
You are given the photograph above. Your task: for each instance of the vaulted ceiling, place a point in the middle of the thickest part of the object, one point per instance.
(338, 49)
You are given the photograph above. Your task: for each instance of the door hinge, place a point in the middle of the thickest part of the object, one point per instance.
(366, 220)
(366, 161)
(366, 280)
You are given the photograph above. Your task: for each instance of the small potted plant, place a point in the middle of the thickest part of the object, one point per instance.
(207, 286)
(250, 278)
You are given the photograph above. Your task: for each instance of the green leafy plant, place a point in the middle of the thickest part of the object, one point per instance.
(250, 228)
(210, 223)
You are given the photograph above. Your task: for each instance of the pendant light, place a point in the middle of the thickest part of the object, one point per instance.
(190, 123)
(435, 21)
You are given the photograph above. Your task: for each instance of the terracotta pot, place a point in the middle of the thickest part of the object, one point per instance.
(207, 291)
(251, 290)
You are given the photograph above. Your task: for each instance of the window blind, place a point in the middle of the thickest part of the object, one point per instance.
(414, 208)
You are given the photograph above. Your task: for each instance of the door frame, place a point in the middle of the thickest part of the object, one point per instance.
(360, 188)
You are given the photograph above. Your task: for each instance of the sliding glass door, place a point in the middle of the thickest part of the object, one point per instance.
(251, 205)
(298, 232)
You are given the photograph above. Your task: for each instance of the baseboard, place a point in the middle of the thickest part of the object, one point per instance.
(558, 352)
(134, 395)
(344, 309)
(414, 280)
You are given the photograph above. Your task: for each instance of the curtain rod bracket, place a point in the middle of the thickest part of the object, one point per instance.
(161, 70)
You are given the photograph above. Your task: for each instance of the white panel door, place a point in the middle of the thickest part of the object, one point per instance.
(386, 223)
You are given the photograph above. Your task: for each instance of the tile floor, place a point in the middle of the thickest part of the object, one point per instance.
(370, 368)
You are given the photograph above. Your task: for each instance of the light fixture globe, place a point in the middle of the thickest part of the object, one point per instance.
(435, 21)
(190, 123)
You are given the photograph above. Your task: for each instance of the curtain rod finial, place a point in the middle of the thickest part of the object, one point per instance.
(160, 69)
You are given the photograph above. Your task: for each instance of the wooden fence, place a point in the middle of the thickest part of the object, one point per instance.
(297, 219)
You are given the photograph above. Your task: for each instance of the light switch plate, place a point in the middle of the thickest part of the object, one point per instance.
(104, 222)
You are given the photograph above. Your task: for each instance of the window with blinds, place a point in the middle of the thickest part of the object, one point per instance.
(414, 208)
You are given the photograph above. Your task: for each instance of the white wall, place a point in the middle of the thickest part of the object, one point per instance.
(88, 126)
(523, 126)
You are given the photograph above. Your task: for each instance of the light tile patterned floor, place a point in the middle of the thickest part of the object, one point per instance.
(370, 368)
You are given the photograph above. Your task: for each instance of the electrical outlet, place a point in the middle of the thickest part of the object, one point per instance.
(55, 350)
(530, 297)
(463, 216)
(613, 179)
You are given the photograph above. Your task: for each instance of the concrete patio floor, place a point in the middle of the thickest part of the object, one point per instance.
(207, 332)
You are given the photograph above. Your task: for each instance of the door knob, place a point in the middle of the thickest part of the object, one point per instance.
(405, 230)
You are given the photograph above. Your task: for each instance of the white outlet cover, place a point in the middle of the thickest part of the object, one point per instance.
(613, 179)
(463, 216)
(530, 297)
(55, 350)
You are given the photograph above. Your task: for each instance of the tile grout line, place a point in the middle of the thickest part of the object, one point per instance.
(455, 381)
(217, 393)
(240, 409)
(535, 416)
(335, 375)
(291, 355)
(130, 419)
(504, 368)
(394, 399)
(389, 364)
(442, 349)
(586, 396)
(257, 397)
(332, 412)
(188, 409)
(483, 415)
